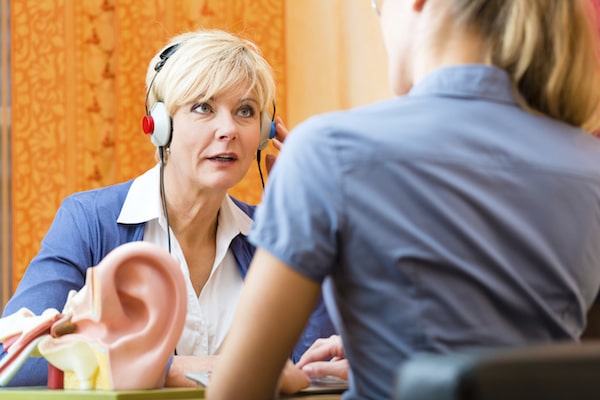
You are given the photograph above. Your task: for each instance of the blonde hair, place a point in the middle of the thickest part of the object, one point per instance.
(207, 63)
(548, 47)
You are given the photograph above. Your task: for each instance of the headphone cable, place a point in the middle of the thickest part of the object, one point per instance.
(262, 180)
(161, 153)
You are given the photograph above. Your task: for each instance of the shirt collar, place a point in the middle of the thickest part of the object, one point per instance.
(230, 215)
(143, 204)
(471, 80)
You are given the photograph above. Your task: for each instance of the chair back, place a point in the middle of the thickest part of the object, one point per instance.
(560, 371)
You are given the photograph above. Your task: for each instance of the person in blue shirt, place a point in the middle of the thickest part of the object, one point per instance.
(464, 212)
(208, 104)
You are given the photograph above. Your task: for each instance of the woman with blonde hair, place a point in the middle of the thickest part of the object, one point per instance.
(465, 212)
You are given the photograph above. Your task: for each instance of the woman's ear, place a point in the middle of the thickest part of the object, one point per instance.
(127, 320)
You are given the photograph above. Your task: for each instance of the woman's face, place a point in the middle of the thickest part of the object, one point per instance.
(214, 142)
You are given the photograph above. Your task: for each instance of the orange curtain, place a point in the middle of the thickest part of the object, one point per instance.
(78, 69)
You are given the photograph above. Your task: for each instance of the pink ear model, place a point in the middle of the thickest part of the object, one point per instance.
(124, 323)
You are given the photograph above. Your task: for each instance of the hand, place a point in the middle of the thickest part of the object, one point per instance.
(183, 364)
(292, 379)
(282, 132)
(325, 357)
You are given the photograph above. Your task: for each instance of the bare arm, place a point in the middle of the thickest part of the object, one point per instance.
(275, 304)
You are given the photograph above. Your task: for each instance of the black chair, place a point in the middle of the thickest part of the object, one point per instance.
(561, 371)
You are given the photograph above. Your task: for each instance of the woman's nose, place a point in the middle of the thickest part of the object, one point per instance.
(226, 127)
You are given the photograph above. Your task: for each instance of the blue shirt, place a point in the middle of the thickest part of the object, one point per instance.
(446, 218)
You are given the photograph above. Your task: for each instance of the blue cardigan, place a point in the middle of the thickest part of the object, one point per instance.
(83, 232)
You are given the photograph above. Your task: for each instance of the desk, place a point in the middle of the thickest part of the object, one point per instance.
(313, 397)
(33, 393)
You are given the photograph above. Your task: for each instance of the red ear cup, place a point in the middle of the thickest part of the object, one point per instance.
(148, 124)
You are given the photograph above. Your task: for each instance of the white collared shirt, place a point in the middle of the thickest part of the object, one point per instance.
(209, 315)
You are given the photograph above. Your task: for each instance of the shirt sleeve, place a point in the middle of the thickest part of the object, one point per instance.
(58, 268)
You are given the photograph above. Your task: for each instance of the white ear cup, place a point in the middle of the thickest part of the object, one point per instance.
(267, 130)
(161, 136)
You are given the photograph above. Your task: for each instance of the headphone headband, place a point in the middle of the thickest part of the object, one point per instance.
(164, 56)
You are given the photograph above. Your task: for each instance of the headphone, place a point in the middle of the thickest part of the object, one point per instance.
(157, 121)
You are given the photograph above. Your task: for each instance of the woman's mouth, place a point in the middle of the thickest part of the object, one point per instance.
(223, 158)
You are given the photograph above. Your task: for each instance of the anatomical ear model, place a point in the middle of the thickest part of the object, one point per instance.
(116, 333)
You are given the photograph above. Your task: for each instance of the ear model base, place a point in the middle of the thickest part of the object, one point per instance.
(157, 124)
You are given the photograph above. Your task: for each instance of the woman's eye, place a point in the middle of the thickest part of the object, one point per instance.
(202, 108)
(246, 111)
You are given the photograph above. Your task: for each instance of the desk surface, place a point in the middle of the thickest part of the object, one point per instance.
(313, 397)
(158, 394)
(33, 393)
